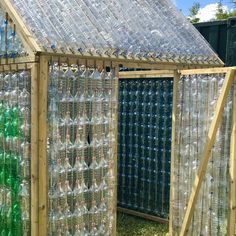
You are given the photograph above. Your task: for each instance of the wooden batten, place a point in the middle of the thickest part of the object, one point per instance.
(42, 142)
(217, 70)
(147, 74)
(34, 150)
(207, 152)
(142, 215)
(174, 113)
(115, 166)
(130, 63)
(17, 66)
(232, 171)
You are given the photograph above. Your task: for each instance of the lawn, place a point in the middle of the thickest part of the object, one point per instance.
(133, 226)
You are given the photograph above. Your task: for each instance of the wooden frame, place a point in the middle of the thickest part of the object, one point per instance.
(174, 110)
(116, 153)
(37, 62)
(230, 75)
(147, 74)
(205, 71)
(34, 151)
(43, 164)
(155, 64)
(142, 215)
(232, 171)
(39, 170)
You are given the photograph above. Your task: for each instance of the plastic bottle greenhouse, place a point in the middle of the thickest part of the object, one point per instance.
(83, 134)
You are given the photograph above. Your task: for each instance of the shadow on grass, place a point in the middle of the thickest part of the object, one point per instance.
(133, 226)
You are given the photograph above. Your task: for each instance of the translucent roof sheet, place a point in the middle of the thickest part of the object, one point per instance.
(136, 28)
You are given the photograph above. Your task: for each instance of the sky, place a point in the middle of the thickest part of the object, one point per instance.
(207, 10)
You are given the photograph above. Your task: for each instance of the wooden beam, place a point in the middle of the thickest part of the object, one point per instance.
(18, 60)
(174, 111)
(15, 67)
(147, 74)
(133, 63)
(142, 215)
(207, 152)
(217, 70)
(43, 163)
(34, 151)
(232, 171)
(22, 31)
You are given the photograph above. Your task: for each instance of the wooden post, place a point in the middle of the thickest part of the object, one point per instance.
(232, 171)
(207, 152)
(116, 89)
(43, 164)
(174, 108)
(34, 150)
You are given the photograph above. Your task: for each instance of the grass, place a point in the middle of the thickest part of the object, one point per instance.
(134, 226)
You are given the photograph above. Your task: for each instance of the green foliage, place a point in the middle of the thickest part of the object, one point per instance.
(221, 14)
(193, 11)
(129, 226)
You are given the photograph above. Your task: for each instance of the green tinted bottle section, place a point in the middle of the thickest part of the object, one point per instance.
(14, 154)
(145, 145)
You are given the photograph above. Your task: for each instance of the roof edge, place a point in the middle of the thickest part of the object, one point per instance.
(22, 31)
(135, 61)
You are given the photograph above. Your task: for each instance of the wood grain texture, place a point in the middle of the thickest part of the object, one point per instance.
(34, 151)
(174, 113)
(232, 171)
(43, 163)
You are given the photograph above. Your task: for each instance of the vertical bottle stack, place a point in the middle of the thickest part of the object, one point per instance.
(10, 44)
(197, 97)
(15, 153)
(145, 117)
(81, 150)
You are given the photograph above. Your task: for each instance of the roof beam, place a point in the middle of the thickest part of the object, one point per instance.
(23, 33)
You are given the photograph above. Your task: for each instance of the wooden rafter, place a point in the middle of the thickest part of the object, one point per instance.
(142, 63)
(22, 31)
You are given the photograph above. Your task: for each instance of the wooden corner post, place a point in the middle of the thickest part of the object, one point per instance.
(116, 90)
(174, 108)
(43, 164)
(232, 171)
(207, 152)
(34, 150)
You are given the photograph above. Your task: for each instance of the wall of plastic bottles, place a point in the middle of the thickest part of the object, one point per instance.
(15, 153)
(10, 44)
(145, 120)
(197, 97)
(81, 150)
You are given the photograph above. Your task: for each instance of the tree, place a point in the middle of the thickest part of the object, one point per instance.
(193, 12)
(221, 13)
